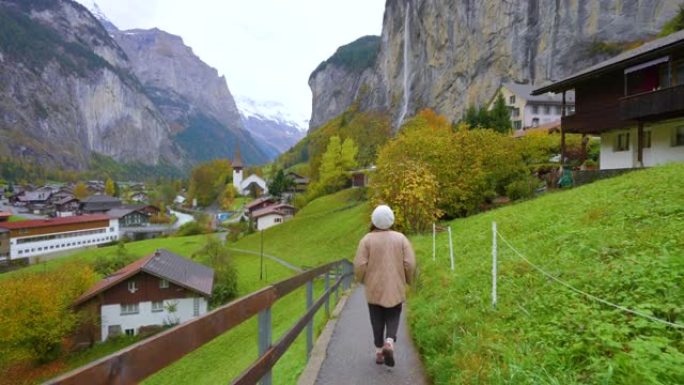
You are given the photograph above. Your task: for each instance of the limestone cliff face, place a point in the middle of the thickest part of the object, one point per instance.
(194, 99)
(448, 54)
(65, 91)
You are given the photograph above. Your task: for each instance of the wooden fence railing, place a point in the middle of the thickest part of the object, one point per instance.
(138, 361)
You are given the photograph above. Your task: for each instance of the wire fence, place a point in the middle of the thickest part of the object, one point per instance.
(497, 235)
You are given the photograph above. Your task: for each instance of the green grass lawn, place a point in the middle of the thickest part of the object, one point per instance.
(16, 218)
(619, 239)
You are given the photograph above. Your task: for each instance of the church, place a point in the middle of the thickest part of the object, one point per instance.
(245, 185)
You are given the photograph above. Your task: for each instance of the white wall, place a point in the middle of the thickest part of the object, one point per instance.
(661, 151)
(269, 221)
(70, 239)
(243, 190)
(111, 315)
(541, 115)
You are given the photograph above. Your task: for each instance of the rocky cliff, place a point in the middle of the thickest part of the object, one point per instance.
(66, 91)
(70, 89)
(193, 98)
(450, 54)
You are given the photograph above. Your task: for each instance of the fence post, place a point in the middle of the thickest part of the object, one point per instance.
(494, 233)
(309, 326)
(451, 250)
(434, 231)
(265, 336)
(337, 288)
(327, 299)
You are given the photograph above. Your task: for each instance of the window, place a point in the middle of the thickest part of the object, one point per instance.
(130, 332)
(556, 110)
(647, 139)
(678, 137)
(157, 306)
(511, 99)
(515, 112)
(163, 284)
(111, 229)
(535, 122)
(517, 124)
(130, 308)
(535, 109)
(195, 306)
(132, 287)
(547, 110)
(277, 220)
(622, 142)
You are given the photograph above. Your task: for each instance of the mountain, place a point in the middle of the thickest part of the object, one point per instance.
(274, 128)
(193, 98)
(448, 55)
(72, 91)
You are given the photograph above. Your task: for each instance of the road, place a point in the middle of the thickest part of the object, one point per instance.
(183, 218)
(4, 206)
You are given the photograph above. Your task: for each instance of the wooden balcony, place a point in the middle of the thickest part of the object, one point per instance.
(593, 122)
(656, 105)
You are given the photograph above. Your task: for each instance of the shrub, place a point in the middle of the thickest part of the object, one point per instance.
(522, 188)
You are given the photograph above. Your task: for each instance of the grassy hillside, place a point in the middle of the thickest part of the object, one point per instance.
(619, 239)
(327, 229)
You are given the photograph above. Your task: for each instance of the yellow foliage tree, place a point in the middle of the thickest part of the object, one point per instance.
(109, 187)
(34, 312)
(81, 191)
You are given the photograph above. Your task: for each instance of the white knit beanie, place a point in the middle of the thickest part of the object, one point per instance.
(382, 217)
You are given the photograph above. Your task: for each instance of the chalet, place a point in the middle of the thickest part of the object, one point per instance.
(160, 289)
(44, 236)
(30, 198)
(272, 215)
(548, 128)
(99, 203)
(259, 204)
(67, 206)
(130, 217)
(4, 245)
(300, 183)
(634, 101)
(148, 210)
(529, 110)
(245, 186)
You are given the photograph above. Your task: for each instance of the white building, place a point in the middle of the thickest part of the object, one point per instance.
(160, 289)
(244, 185)
(45, 236)
(272, 215)
(529, 111)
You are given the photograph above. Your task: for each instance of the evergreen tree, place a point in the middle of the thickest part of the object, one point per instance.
(471, 118)
(500, 116)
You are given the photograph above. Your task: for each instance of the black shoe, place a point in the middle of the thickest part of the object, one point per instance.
(388, 353)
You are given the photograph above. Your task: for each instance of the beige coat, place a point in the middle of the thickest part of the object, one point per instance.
(385, 263)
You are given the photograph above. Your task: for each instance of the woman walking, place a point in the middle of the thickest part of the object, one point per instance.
(384, 263)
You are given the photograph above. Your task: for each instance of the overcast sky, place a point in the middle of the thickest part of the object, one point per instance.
(266, 48)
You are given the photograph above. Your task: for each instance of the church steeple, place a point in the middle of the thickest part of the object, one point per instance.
(237, 162)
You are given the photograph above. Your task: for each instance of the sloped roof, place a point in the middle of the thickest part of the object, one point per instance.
(525, 91)
(163, 264)
(66, 200)
(258, 201)
(546, 128)
(121, 212)
(35, 196)
(101, 198)
(274, 209)
(237, 162)
(624, 59)
(53, 222)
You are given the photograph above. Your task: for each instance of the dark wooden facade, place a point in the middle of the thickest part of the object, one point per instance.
(655, 105)
(148, 289)
(134, 218)
(58, 228)
(4, 244)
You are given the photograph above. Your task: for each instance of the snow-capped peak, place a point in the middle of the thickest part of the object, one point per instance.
(271, 110)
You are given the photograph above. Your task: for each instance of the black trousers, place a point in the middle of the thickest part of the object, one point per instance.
(384, 320)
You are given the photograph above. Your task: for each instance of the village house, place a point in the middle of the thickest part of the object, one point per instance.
(528, 110)
(67, 206)
(258, 204)
(361, 177)
(38, 237)
(99, 204)
(272, 215)
(5, 216)
(139, 197)
(130, 217)
(634, 101)
(300, 183)
(160, 289)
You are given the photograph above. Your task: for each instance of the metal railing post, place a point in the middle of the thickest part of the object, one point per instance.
(265, 337)
(327, 299)
(309, 326)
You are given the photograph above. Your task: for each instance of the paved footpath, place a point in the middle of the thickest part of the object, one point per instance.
(350, 357)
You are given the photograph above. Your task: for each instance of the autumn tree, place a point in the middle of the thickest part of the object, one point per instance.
(110, 189)
(470, 166)
(227, 197)
(36, 312)
(411, 190)
(338, 160)
(208, 179)
(81, 191)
